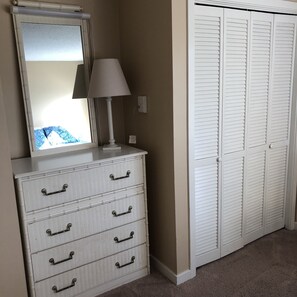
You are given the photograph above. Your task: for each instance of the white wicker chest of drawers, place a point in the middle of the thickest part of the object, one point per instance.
(84, 221)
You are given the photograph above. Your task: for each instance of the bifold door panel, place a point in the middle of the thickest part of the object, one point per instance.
(239, 126)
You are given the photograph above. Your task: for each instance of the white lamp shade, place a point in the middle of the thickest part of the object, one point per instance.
(107, 79)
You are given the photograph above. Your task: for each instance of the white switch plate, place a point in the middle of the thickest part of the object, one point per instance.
(142, 104)
(132, 139)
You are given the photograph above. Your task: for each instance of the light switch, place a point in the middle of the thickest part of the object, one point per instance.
(142, 104)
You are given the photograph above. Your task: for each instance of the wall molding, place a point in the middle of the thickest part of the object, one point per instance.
(177, 279)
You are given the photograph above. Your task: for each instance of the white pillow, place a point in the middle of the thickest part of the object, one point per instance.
(54, 138)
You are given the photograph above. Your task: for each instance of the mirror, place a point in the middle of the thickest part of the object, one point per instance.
(51, 50)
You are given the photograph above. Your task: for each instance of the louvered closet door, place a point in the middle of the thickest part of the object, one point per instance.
(207, 238)
(236, 40)
(279, 120)
(259, 86)
(239, 127)
(236, 27)
(260, 63)
(232, 203)
(254, 195)
(276, 189)
(205, 132)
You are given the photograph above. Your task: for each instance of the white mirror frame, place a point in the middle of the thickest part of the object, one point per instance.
(63, 20)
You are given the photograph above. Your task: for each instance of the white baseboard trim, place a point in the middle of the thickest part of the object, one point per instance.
(295, 226)
(168, 273)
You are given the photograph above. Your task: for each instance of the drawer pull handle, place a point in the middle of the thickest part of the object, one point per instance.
(115, 214)
(118, 265)
(49, 231)
(56, 290)
(52, 260)
(125, 239)
(121, 177)
(45, 193)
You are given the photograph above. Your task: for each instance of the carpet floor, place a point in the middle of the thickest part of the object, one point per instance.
(266, 267)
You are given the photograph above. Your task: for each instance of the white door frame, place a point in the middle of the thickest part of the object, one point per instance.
(274, 6)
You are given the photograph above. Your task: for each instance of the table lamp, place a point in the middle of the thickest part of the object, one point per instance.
(107, 81)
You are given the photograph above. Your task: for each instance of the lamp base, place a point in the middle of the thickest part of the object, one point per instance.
(111, 147)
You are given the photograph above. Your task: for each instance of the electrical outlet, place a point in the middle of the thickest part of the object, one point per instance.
(132, 139)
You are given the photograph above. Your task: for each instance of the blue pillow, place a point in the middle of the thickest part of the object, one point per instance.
(40, 138)
(63, 133)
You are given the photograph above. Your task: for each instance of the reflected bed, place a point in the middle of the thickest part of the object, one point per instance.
(48, 137)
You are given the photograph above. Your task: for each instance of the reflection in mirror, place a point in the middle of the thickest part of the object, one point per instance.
(50, 52)
(80, 87)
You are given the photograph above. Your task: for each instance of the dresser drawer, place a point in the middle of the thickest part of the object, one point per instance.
(65, 228)
(78, 280)
(80, 252)
(57, 189)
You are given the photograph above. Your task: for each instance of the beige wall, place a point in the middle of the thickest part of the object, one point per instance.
(12, 93)
(154, 60)
(106, 43)
(147, 63)
(180, 124)
(12, 275)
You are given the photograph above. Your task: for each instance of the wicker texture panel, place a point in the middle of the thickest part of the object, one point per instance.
(69, 235)
(87, 250)
(85, 222)
(80, 183)
(94, 274)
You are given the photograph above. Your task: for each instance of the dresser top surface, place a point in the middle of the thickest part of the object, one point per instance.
(28, 166)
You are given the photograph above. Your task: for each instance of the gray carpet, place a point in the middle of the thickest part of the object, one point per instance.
(266, 267)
